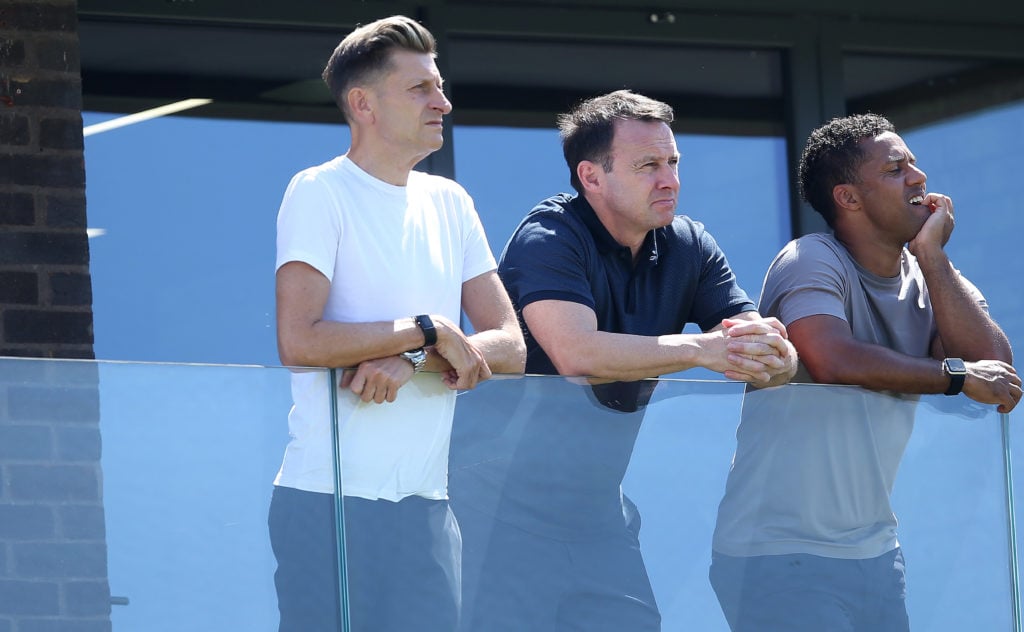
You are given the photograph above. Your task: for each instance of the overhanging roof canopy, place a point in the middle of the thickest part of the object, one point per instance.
(721, 63)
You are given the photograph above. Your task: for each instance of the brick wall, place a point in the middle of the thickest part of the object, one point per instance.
(53, 556)
(45, 289)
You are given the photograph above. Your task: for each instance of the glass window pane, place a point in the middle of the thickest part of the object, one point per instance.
(183, 212)
(975, 160)
(535, 465)
(735, 185)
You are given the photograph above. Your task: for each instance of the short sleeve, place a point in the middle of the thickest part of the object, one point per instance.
(718, 293)
(546, 260)
(477, 255)
(308, 225)
(807, 278)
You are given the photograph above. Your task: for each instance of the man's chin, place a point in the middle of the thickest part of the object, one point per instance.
(665, 215)
(429, 147)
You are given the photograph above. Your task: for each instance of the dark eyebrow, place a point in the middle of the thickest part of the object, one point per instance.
(652, 158)
(901, 157)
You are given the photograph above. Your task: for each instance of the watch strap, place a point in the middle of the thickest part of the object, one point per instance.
(429, 331)
(954, 368)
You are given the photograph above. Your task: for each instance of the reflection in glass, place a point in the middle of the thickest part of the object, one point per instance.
(806, 537)
(541, 510)
(188, 453)
(950, 494)
(157, 476)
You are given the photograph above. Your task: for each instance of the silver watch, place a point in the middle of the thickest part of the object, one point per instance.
(418, 357)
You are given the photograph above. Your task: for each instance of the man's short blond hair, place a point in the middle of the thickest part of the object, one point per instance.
(365, 54)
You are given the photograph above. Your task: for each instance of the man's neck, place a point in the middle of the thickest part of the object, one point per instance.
(383, 165)
(621, 234)
(874, 255)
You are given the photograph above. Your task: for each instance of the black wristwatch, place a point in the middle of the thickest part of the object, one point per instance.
(429, 332)
(957, 372)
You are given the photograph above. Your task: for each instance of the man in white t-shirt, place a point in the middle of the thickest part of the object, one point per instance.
(375, 263)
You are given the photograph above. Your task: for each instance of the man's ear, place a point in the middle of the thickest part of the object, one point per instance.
(360, 104)
(846, 196)
(588, 173)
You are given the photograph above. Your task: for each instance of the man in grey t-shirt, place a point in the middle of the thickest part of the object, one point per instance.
(806, 537)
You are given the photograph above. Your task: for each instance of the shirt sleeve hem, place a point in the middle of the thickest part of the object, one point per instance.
(713, 321)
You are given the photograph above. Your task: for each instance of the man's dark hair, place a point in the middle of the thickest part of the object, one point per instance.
(833, 156)
(588, 130)
(365, 54)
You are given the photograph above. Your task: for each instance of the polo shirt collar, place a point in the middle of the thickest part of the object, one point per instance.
(606, 243)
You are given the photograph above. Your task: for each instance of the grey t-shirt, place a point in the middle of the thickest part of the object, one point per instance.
(815, 464)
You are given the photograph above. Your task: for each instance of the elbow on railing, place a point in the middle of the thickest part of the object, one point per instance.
(828, 373)
(570, 366)
(518, 362)
(292, 354)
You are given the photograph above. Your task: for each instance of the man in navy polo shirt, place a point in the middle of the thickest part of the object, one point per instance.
(603, 283)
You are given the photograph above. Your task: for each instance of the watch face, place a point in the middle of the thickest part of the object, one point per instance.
(418, 357)
(955, 366)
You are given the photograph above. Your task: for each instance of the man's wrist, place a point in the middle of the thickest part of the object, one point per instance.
(956, 370)
(931, 258)
(426, 326)
(418, 358)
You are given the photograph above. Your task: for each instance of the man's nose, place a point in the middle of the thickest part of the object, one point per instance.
(668, 177)
(443, 104)
(917, 174)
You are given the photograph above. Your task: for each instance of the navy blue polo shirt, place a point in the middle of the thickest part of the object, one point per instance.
(548, 459)
(562, 251)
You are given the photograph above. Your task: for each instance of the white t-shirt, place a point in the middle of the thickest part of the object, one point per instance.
(390, 252)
